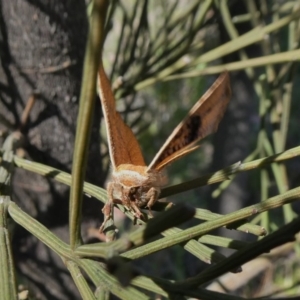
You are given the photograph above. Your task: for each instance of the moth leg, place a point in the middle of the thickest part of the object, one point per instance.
(107, 215)
(152, 195)
(137, 212)
(108, 207)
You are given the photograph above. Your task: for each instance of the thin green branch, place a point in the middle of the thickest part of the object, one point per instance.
(225, 173)
(85, 117)
(278, 58)
(283, 235)
(253, 36)
(172, 217)
(199, 230)
(8, 286)
(206, 215)
(104, 281)
(218, 176)
(216, 193)
(222, 242)
(40, 231)
(80, 281)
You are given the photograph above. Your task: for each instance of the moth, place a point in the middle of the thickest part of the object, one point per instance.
(135, 184)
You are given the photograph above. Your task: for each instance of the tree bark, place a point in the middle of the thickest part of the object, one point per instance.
(42, 49)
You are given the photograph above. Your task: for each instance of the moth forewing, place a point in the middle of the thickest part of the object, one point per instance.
(175, 156)
(131, 184)
(123, 146)
(202, 120)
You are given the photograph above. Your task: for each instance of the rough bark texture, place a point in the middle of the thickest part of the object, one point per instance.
(42, 49)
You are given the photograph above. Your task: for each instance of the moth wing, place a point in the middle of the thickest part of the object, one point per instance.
(202, 120)
(175, 156)
(123, 146)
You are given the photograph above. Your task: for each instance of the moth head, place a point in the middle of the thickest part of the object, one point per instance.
(139, 195)
(129, 192)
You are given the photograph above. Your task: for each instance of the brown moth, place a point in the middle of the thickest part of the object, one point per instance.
(133, 183)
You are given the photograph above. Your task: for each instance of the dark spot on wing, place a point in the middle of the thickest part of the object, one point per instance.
(193, 125)
(186, 135)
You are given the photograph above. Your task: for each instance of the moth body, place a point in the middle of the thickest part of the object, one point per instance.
(131, 175)
(135, 184)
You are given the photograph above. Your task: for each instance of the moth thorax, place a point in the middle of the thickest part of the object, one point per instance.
(131, 175)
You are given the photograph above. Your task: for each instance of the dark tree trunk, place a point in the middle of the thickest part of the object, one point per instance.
(42, 49)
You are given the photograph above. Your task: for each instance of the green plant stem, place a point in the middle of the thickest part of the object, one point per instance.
(253, 36)
(216, 193)
(172, 217)
(283, 235)
(225, 173)
(85, 117)
(8, 289)
(40, 231)
(207, 215)
(206, 227)
(166, 288)
(80, 281)
(103, 294)
(277, 58)
(264, 195)
(286, 101)
(281, 179)
(203, 252)
(221, 241)
(215, 177)
(104, 281)
(8, 284)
